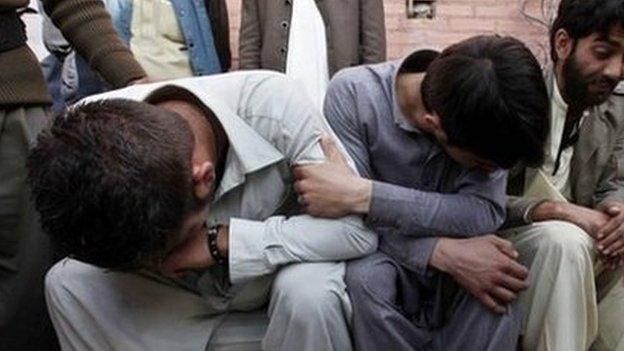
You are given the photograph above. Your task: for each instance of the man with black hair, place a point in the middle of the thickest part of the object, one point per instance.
(192, 178)
(431, 136)
(569, 213)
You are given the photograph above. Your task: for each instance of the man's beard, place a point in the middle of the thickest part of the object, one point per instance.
(577, 84)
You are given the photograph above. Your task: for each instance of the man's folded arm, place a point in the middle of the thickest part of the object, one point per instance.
(475, 209)
(300, 238)
(260, 247)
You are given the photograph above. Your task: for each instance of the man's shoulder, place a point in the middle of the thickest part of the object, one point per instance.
(615, 107)
(364, 79)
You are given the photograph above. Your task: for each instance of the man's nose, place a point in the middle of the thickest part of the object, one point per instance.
(615, 67)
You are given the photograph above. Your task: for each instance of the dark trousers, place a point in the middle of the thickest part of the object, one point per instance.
(25, 253)
(392, 309)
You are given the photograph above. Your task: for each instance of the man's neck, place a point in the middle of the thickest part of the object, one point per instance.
(409, 97)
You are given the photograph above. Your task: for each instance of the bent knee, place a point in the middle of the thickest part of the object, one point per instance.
(565, 240)
(310, 287)
(371, 277)
(364, 240)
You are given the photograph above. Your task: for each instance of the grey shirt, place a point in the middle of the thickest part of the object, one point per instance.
(419, 192)
(271, 127)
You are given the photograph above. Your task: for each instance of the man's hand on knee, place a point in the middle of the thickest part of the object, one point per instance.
(485, 266)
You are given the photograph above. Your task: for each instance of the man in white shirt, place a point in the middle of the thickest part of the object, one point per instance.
(192, 178)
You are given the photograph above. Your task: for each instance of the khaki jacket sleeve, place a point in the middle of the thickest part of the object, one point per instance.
(373, 29)
(611, 185)
(87, 26)
(250, 42)
(518, 208)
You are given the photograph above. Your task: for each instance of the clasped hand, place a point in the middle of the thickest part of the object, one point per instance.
(331, 189)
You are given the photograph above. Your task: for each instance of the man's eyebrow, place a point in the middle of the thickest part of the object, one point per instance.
(607, 39)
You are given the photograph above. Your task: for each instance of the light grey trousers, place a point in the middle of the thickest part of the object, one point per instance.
(95, 309)
(571, 303)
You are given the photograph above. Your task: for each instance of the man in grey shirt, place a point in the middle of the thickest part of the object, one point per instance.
(192, 178)
(430, 136)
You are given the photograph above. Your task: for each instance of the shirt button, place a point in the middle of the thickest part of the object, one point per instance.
(283, 50)
(284, 24)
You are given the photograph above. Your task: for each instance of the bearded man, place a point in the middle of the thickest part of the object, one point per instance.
(569, 219)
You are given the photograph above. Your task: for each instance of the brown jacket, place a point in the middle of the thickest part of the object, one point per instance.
(87, 26)
(597, 166)
(355, 32)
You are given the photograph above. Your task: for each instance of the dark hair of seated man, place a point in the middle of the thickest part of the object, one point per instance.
(490, 95)
(112, 180)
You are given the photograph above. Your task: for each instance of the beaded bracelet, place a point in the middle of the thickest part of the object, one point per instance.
(212, 234)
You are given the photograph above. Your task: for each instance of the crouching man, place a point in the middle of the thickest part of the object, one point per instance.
(431, 136)
(174, 201)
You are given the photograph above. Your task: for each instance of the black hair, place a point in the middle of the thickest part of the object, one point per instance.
(581, 18)
(491, 98)
(112, 180)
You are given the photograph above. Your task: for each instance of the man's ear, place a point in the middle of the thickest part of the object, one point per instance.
(563, 45)
(203, 179)
(433, 124)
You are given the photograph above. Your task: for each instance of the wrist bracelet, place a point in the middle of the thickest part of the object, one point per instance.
(212, 233)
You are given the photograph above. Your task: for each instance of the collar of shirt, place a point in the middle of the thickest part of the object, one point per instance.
(248, 151)
(559, 113)
(416, 62)
(558, 99)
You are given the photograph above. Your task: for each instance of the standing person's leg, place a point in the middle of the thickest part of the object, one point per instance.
(473, 327)
(309, 309)
(560, 303)
(25, 252)
(380, 320)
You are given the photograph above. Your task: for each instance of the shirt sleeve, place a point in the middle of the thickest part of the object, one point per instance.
(477, 207)
(260, 247)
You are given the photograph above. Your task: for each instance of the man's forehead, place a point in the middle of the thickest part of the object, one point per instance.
(615, 36)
